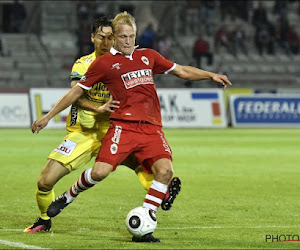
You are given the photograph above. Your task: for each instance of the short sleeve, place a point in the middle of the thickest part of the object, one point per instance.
(77, 70)
(161, 64)
(94, 74)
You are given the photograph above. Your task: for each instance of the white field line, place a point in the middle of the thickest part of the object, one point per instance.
(225, 227)
(19, 245)
(179, 228)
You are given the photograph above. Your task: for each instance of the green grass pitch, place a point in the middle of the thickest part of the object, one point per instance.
(238, 185)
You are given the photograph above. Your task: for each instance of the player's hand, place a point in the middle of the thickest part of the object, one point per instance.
(109, 106)
(222, 79)
(39, 124)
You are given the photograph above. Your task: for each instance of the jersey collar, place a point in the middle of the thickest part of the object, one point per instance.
(114, 52)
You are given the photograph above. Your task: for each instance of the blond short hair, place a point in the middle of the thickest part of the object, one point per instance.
(123, 18)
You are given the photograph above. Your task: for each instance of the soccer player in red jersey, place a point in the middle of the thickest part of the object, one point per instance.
(136, 125)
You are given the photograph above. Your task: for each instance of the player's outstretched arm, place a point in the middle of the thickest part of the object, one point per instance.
(194, 74)
(72, 96)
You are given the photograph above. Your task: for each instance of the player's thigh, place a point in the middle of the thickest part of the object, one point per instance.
(52, 172)
(117, 145)
(154, 147)
(76, 150)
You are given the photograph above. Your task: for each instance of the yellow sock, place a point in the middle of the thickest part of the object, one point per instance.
(144, 178)
(43, 200)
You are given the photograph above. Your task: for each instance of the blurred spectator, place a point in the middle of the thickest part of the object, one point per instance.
(192, 16)
(264, 38)
(84, 39)
(239, 40)
(241, 9)
(101, 9)
(164, 46)
(223, 39)
(82, 12)
(147, 37)
(280, 7)
(282, 27)
(206, 15)
(18, 15)
(1, 51)
(201, 49)
(293, 40)
(222, 68)
(259, 15)
(226, 8)
(127, 7)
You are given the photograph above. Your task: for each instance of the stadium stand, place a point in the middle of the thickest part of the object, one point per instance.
(43, 55)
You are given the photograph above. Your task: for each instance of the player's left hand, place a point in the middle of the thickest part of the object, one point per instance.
(39, 124)
(109, 106)
(222, 79)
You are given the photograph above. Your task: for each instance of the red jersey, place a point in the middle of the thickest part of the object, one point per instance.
(130, 81)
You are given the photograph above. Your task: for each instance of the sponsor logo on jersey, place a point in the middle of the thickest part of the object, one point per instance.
(99, 93)
(145, 60)
(74, 73)
(117, 134)
(116, 140)
(134, 78)
(66, 148)
(73, 115)
(116, 66)
(165, 144)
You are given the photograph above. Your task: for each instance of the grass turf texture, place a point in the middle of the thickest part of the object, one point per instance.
(238, 185)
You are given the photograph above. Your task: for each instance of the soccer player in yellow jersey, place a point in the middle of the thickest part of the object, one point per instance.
(87, 123)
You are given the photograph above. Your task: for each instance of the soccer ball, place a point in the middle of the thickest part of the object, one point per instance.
(141, 221)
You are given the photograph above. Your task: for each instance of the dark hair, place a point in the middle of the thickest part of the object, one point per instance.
(100, 23)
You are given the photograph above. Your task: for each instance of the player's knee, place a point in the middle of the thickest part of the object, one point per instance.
(98, 174)
(168, 173)
(164, 173)
(44, 184)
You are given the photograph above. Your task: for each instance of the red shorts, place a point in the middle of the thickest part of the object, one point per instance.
(146, 141)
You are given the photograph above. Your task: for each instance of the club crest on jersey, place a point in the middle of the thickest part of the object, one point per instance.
(145, 60)
(88, 60)
(83, 78)
(113, 148)
(116, 66)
